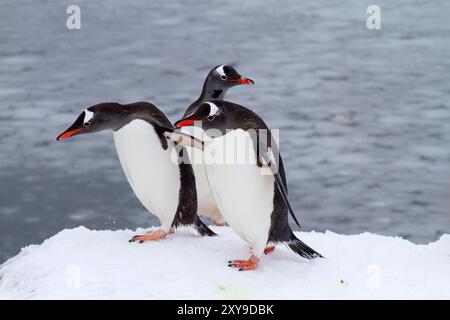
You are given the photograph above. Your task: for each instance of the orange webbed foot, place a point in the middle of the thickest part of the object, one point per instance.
(244, 265)
(151, 236)
(269, 250)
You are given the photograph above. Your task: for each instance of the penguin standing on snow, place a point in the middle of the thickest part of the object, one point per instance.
(149, 160)
(219, 80)
(247, 179)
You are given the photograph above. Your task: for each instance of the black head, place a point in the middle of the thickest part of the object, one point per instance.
(217, 116)
(96, 118)
(224, 76)
(113, 116)
(208, 115)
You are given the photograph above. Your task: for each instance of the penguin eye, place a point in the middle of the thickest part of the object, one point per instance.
(211, 118)
(223, 77)
(86, 124)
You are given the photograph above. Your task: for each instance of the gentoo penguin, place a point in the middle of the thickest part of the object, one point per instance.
(163, 185)
(247, 178)
(216, 84)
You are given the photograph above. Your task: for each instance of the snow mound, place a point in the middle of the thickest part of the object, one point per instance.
(87, 264)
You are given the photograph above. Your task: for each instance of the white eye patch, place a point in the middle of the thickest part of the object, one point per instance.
(88, 115)
(213, 109)
(220, 71)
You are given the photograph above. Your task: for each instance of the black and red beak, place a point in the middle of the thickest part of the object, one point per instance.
(186, 122)
(68, 133)
(76, 128)
(242, 80)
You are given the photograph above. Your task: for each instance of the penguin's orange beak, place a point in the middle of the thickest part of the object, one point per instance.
(76, 128)
(67, 134)
(242, 80)
(187, 122)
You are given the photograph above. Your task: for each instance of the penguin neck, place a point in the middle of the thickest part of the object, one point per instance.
(211, 92)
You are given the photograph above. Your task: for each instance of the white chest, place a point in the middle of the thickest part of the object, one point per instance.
(243, 194)
(151, 171)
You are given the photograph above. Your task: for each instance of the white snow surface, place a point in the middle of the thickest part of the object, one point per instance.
(89, 264)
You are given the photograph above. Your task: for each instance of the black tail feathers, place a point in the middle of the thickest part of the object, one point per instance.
(202, 229)
(302, 249)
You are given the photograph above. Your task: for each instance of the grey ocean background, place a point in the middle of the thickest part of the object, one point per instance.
(364, 115)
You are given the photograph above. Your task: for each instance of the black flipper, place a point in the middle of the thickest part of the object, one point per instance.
(302, 249)
(202, 229)
(187, 203)
(264, 153)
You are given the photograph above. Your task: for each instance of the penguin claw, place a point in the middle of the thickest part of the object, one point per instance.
(133, 239)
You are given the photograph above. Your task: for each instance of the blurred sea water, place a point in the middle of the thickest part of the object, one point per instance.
(363, 114)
